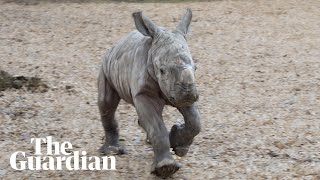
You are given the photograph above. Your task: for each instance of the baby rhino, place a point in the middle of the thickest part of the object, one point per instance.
(151, 68)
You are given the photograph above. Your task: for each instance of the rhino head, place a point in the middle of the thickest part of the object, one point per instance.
(170, 61)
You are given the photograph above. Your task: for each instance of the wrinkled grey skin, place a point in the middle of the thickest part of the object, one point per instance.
(151, 68)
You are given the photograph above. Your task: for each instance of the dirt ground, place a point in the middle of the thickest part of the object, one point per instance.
(258, 76)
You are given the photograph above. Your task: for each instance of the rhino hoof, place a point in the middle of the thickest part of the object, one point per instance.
(181, 151)
(112, 150)
(165, 168)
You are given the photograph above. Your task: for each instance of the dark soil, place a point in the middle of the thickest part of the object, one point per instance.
(33, 84)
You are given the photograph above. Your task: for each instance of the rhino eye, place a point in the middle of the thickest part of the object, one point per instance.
(161, 71)
(195, 67)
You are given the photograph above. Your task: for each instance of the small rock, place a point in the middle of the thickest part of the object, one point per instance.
(69, 87)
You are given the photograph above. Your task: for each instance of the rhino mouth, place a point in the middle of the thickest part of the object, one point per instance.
(184, 101)
(182, 95)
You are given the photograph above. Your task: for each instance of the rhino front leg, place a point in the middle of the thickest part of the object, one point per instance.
(150, 119)
(108, 101)
(181, 136)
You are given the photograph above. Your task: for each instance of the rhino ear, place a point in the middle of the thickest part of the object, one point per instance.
(183, 26)
(144, 25)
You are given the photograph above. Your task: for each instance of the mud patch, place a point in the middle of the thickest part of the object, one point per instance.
(33, 84)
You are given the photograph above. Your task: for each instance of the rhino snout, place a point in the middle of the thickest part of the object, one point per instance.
(184, 94)
(187, 87)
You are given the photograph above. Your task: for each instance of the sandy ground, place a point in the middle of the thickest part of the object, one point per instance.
(258, 76)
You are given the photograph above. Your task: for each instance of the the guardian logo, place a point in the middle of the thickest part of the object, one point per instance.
(60, 158)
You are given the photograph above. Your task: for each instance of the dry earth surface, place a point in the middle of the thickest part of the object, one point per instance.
(258, 76)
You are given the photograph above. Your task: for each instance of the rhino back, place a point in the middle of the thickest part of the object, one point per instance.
(124, 63)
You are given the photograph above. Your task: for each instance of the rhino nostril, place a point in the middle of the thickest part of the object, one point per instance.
(187, 86)
(171, 98)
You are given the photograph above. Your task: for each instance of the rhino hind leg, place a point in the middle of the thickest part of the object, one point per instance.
(108, 100)
(181, 136)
